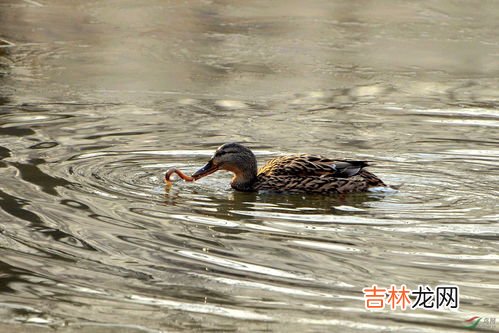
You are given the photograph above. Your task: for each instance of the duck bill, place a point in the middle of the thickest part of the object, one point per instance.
(208, 169)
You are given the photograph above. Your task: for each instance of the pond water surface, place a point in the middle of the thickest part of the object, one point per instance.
(99, 98)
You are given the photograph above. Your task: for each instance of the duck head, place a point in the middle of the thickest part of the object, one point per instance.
(235, 158)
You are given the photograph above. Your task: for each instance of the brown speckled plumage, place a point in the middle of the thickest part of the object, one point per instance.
(290, 174)
(315, 174)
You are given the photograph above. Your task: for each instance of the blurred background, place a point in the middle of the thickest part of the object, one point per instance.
(99, 98)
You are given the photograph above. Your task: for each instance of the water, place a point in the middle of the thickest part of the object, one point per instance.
(99, 98)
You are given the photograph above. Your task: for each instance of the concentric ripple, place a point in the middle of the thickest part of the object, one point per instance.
(116, 175)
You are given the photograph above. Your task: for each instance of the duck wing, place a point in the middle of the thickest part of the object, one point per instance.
(311, 165)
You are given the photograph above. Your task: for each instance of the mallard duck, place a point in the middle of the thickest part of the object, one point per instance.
(291, 174)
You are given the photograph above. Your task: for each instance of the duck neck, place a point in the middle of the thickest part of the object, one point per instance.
(245, 177)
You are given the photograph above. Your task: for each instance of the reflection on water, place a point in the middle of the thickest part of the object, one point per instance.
(98, 99)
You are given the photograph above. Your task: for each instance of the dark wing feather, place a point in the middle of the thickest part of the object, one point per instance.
(311, 165)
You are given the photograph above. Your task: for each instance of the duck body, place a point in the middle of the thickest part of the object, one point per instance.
(290, 174)
(315, 174)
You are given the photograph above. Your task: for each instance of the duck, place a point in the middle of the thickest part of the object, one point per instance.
(303, 173)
